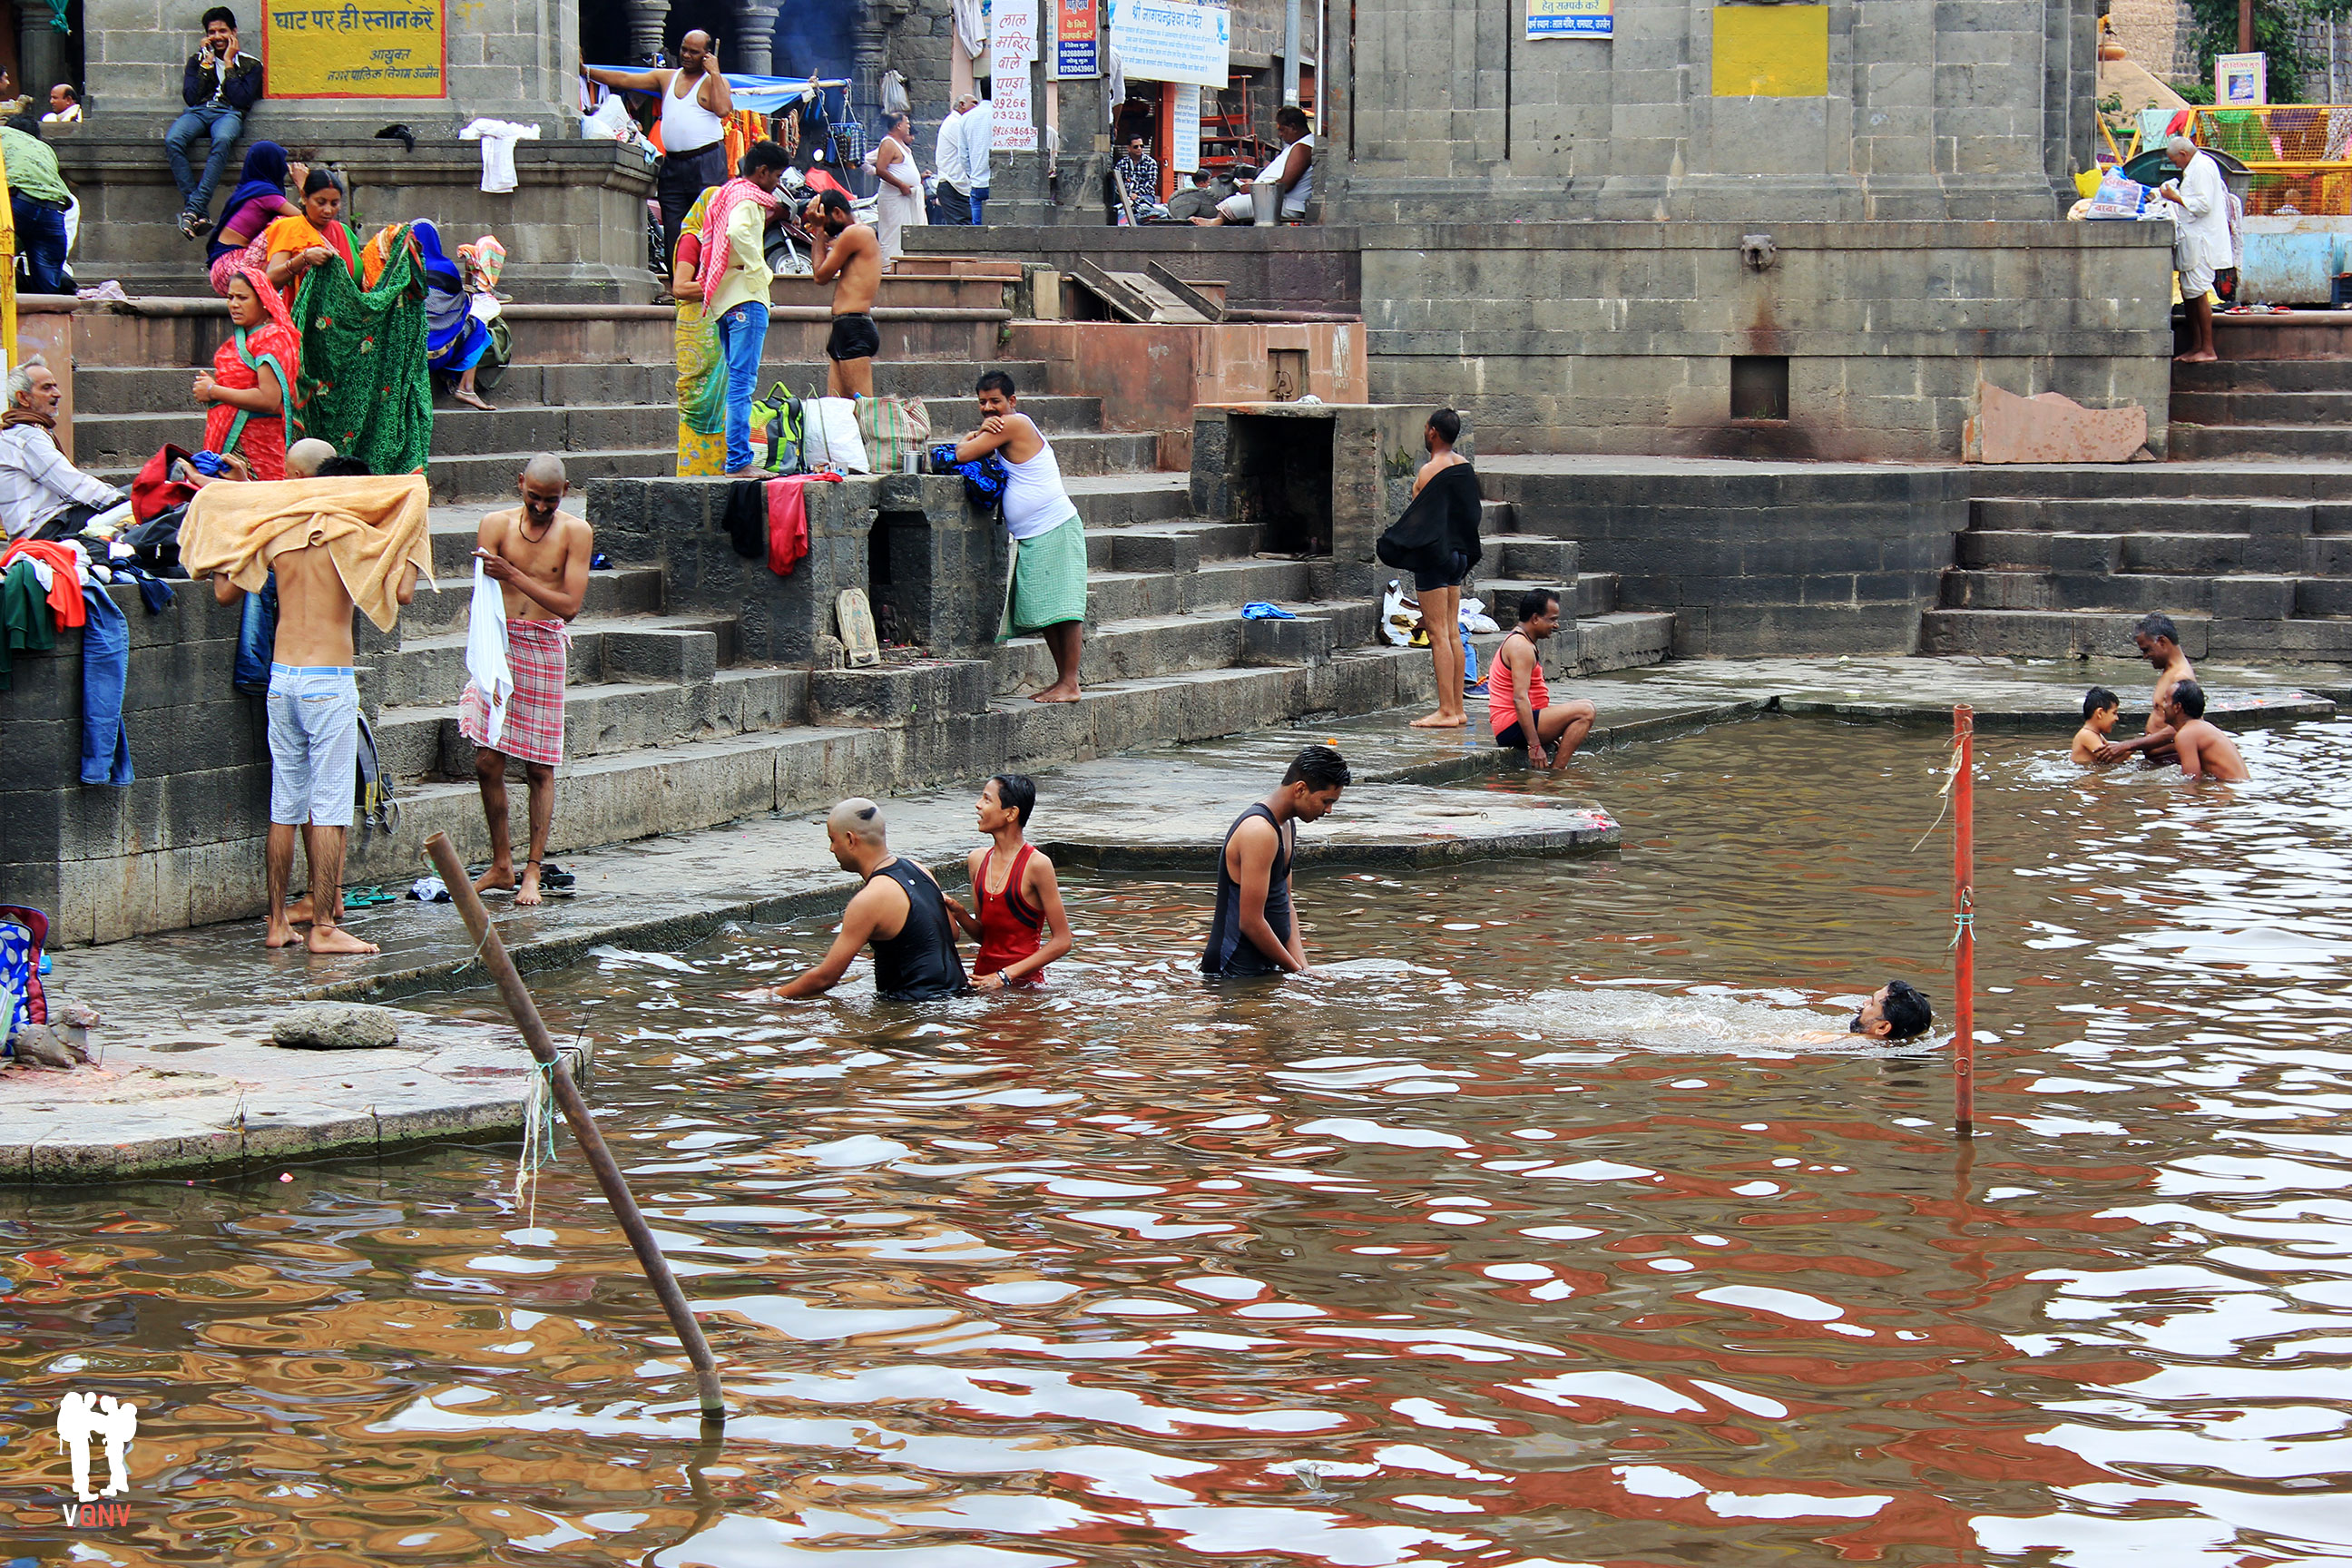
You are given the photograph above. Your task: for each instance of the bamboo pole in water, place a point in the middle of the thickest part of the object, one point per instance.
(494, 958)
(1964, 943)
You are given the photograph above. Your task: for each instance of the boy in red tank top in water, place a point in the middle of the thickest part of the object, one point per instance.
(1013, 890)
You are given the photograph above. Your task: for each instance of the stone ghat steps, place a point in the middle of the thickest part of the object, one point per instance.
(2223, 514)
(2329, 409)
(2103, 634)
(2143, 482)
(2257, 375)
(2231, 597)
(2284, 443)
(2117, 555)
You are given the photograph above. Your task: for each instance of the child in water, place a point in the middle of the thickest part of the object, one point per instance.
(1020, 924)
(2101, 708)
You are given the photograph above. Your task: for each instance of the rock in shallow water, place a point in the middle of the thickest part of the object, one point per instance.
(337, 1027)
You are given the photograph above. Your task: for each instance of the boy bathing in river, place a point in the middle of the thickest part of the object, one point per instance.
(1016, 915)
(2100, 709)
(1896, 1011)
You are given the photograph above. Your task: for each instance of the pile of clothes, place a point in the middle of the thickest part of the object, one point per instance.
(48, 585)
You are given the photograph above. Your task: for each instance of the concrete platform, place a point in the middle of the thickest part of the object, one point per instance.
(212, 1098)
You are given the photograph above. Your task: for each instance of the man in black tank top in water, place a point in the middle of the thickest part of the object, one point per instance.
(1256, 929)
(899, 910)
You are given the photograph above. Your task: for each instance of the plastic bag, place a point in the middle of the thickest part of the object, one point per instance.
(895, 429)
(2118, 197)
(829, 437)
(1399, 615)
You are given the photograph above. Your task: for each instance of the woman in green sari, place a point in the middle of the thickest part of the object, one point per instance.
(701, 370)
(364, 386)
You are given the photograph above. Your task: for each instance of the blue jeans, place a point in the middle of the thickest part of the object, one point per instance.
(41, 241)
(226, 124)
(743, 333)
(979, 200)
(105, 666)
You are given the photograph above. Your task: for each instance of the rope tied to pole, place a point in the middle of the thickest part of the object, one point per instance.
(539, 1115)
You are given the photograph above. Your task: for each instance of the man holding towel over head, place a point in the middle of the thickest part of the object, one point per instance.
(1047, 593)
(530, 575)
(335, 542)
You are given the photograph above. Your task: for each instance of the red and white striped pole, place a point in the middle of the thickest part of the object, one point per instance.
(1964, 936)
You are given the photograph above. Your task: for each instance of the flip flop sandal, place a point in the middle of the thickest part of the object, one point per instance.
(366, 898)
(552, 875)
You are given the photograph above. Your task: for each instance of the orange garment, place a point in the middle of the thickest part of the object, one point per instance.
(64, 584)
(373, 528)
(741, 129)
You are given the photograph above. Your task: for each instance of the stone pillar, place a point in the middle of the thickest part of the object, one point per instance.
(755, 40)
(869, 38)
(647, 19)
(40, 53)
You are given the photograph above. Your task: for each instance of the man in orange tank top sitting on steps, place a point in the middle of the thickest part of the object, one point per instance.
(1018, 922)
(1515, 697)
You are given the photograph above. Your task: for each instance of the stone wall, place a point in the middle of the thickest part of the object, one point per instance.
(1754, 560)
(1621, 337)
(1913, 108)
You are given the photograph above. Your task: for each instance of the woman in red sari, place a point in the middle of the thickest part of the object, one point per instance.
(251, 387)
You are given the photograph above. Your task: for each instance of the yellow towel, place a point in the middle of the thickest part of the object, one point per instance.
(372, 527)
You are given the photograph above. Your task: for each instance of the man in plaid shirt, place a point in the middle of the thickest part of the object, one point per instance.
(1139, 175)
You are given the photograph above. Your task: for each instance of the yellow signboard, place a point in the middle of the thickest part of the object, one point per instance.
(1769, 51)
(396, 48)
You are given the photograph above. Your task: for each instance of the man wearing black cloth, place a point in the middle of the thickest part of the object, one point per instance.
(1437, 541)
(1255, 931)
(901, 911)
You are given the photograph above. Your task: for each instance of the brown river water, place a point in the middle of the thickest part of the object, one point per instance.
(1524, 1233)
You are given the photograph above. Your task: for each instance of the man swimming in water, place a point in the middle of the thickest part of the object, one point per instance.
(1255, 931)
(901, 911)
(2205, 750)
(1896, 1011)
(2158, 641)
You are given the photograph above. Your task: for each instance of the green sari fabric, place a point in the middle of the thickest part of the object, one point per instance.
(364, 386)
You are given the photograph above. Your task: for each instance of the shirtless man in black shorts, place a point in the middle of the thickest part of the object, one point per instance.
(846, 254)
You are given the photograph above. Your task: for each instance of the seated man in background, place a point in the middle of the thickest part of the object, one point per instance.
(1136, 176)
(37, 486)
(1292, 172)
(2205, 750)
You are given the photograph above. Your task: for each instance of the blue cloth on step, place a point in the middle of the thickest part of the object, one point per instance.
(1259, 610)
(105, 667)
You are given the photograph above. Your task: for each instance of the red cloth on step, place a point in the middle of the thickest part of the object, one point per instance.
(65, 562)
(788, 542)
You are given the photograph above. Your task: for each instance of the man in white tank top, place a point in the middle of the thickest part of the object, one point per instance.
(695, 103)
(1046, 591)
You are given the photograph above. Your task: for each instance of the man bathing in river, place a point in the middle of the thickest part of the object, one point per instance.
(538, 554)
(844, 253)
(335, 544)
(1516, 696)
(2160, 643)
(2203, 749)
(1020, 924)
(899, 910)
(1896, 1011)
(1255, 929)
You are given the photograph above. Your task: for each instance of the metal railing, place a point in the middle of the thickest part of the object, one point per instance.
(2299, 155)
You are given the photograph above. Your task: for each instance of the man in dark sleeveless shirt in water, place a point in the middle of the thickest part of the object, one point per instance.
(1255, 931)
(901, 911)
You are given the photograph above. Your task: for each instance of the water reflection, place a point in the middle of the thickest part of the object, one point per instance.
(1528, 1231)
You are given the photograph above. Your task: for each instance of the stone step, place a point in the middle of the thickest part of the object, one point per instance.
(2097, 634)
(1209, 586)
(1118, 500)
(2328, 407)
(605, 718)
(109, 441)
(1593, 594)
(2202, 443)
(2262, 375)
(2231, 514)
(1996, 550)
(1497, 517)
(1531, 555)
(2236, 599)
(430, 671)
(2045, 633)
(624, 591)
(2144, 482)
(1167, 546)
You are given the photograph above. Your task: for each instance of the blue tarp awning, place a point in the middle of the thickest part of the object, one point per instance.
(760, 94)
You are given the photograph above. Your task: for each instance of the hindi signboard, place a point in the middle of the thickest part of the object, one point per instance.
(1184, 130)
(1011, 45)
(2240, 81)
(1571, 19)
(1173, 41)
(1078, 43)
(387, 50)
